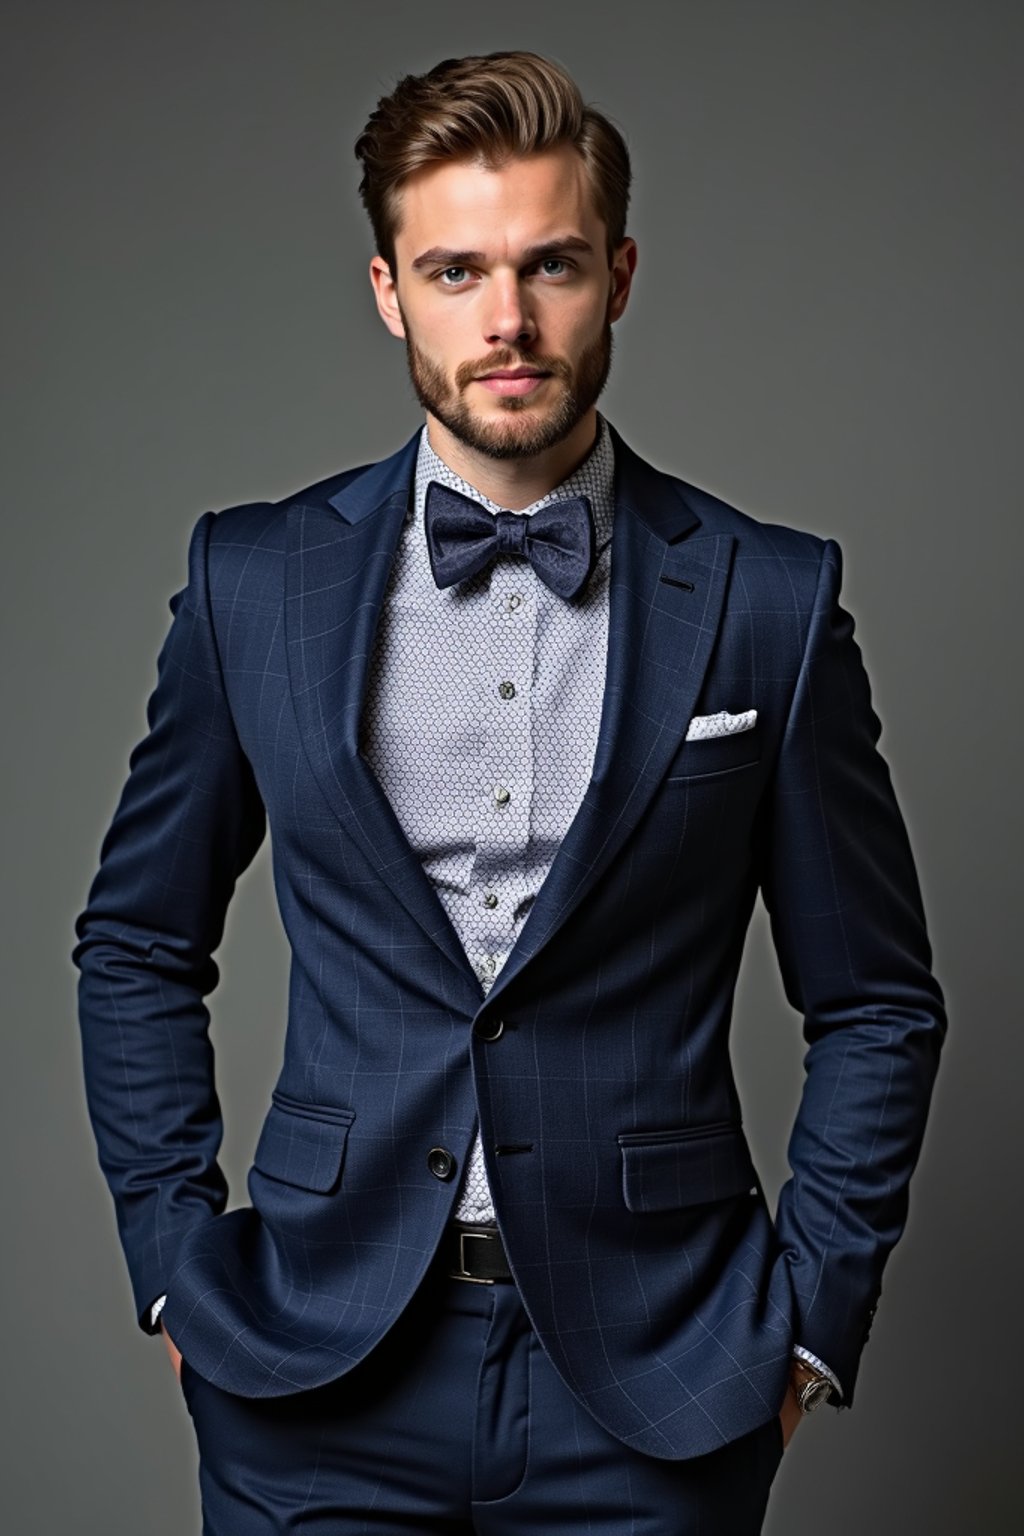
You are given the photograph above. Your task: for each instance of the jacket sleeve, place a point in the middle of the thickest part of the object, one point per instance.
(189, 821)
(842, 894)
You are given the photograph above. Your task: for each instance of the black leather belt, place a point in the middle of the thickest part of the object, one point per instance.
(475, 1253)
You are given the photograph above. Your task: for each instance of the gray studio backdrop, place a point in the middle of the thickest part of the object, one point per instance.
(826, 330)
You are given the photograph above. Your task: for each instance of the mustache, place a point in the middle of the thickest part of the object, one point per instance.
(508, 357)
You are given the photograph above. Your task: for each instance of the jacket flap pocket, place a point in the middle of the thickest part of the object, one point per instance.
(663, 1170)
(303, 1144)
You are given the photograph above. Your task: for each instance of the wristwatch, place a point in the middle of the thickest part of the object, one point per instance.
(811, 1387)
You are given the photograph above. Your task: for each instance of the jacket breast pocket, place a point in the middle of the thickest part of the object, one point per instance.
(717, 754)
(684, 1166)
(303, 1144)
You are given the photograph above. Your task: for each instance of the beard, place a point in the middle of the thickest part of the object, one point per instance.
(524, 429)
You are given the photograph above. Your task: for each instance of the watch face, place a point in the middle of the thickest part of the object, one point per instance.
(813, 1395)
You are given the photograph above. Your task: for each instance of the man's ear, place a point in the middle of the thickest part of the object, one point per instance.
(386, 294)
(623, 265)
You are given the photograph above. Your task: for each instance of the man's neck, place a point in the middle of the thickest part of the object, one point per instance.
(515, 483)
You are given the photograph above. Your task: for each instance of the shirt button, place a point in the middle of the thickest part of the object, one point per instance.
(488, 965)
(490, 900)
(440, 1162)
(513, 601)
(502, 796)
(507, 690)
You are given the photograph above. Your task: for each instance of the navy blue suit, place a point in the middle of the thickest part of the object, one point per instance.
(664, 1294)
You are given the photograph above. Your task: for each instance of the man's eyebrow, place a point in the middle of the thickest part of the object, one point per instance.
(556, 247)
(441, 256)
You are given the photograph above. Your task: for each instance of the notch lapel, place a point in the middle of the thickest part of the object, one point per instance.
(666, 596)
(667, 590)
(340, 554)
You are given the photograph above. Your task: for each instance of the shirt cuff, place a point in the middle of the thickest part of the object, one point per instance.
(156, 1309)
(805, 1355)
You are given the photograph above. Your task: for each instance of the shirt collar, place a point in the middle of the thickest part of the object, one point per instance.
(594, 479)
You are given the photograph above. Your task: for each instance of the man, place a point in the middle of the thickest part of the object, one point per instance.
(531, 724)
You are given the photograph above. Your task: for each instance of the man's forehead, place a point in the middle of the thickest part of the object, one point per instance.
(522, 203)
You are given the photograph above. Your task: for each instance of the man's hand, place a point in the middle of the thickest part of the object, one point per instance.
(790, 1415)
(175, 1354)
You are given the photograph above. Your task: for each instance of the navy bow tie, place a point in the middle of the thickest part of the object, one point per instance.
(463, 537)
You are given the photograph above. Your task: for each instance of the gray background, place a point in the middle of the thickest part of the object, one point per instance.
(826, 330)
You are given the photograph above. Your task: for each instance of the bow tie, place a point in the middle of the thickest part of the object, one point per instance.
(463, 538)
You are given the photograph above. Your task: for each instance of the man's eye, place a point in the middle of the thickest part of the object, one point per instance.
(554, 266)
(453, 277)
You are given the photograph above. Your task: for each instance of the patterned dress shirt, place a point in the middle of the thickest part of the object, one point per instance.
(480, 720)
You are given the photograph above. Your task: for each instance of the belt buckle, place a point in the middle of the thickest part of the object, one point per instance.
(456, 1274)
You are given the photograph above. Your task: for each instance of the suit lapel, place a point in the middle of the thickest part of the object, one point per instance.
(336, 576)
(667, 590)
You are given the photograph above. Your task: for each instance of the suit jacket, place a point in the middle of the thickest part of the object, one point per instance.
(650, 1266)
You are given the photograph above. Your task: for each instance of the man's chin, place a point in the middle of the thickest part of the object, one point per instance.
(518, 430)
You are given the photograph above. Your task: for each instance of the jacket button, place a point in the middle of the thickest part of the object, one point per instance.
(440, 1162)
(489, 1029)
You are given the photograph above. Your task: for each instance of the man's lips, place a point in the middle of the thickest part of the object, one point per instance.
(512, 381)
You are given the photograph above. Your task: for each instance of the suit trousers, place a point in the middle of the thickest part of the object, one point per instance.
(457, 1422)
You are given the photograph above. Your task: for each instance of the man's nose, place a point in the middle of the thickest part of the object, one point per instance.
(508, 319)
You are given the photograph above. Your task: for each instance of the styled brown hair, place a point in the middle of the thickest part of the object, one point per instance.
(488, 108)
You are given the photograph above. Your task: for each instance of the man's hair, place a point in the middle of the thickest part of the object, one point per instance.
(489, 109)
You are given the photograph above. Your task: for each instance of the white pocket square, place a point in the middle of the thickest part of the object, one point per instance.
(703, 727)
